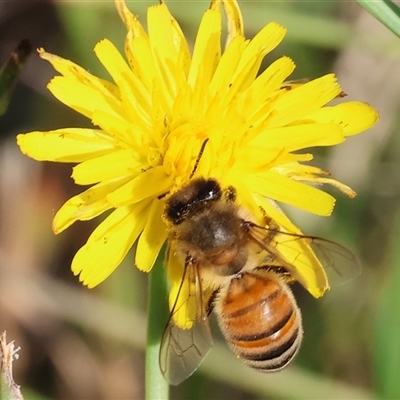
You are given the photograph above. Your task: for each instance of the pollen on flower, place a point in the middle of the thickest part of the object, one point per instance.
(166, 105)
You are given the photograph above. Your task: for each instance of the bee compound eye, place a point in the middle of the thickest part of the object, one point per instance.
(175, 212)
(192, 199)
(209, 190)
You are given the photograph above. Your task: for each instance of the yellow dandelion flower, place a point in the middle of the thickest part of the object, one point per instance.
(166, 105)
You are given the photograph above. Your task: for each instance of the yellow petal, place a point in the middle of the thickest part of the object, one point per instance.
(181, 45)
(120, 163)
(296, 170)
(347, 190)
(272, 210)
(294, 104)
(152, 237)
(137, 94)
(178, 39)
(83, 98)
(207, 49)
(185, 304)
(265, 41)
(65, 145)
(74, 72)
(255, 159)
(296, 137)
(109, 243)
(125, 132)
(182, 296)
(85, 206)
(254, 97)
(151, 183)
(126, 16)
(137, 47)
(307, 269)
(274, 186)
(226, 67)
(241, 61)
(245, 197)
(353, 116)
(175, 266)
(234, 19)
(162, 33)
(314, 175)
(139, 54)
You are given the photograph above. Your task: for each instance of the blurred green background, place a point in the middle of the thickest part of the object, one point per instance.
(81, 344)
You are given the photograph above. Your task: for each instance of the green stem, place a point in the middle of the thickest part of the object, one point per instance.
(156, 386)
(384, 11)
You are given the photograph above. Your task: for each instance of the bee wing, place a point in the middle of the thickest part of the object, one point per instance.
(315, 262)
(187, 336)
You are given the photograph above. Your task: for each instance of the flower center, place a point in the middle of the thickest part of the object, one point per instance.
(184, 147)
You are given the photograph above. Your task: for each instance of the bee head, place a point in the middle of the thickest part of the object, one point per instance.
(191, 199)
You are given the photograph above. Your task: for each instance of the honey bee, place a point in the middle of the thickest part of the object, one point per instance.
(236, 268)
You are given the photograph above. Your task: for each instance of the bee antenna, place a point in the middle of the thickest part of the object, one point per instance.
(196, 164)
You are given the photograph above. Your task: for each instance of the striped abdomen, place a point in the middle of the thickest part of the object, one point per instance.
(259, 317)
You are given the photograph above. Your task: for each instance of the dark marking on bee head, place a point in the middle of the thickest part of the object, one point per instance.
(191, 199)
